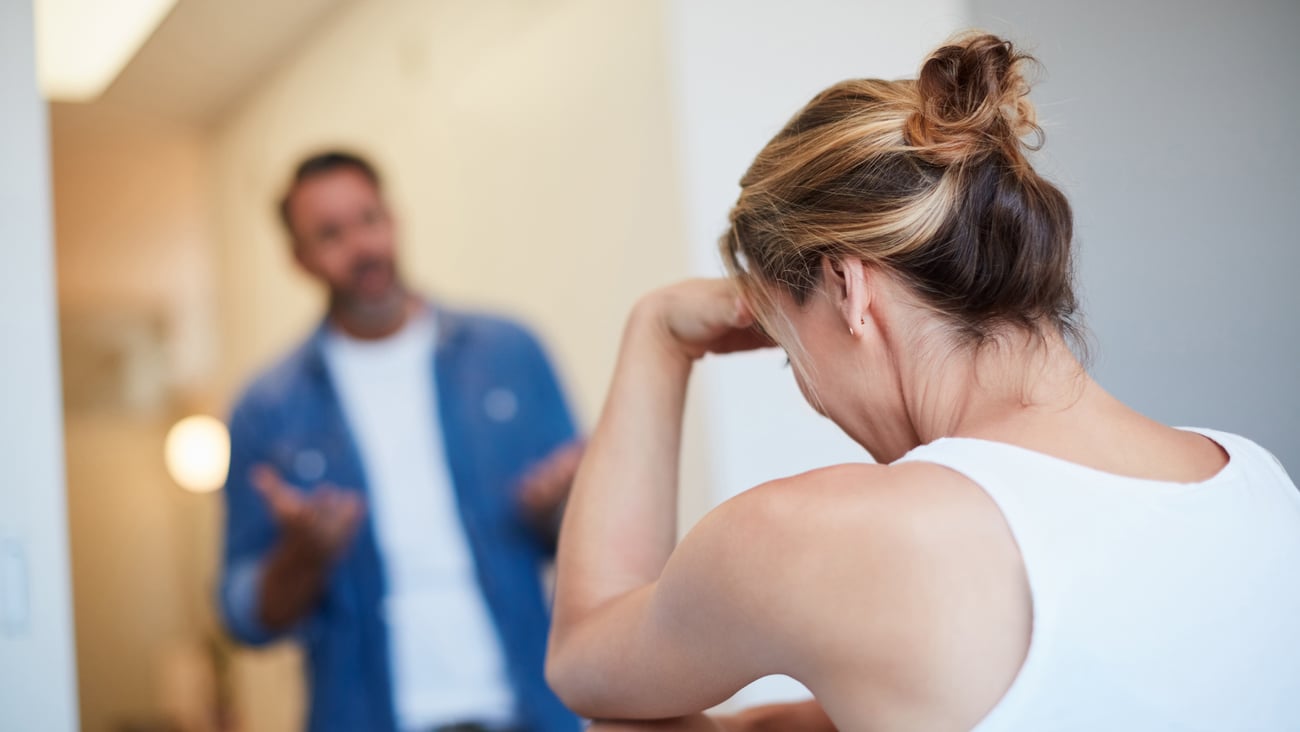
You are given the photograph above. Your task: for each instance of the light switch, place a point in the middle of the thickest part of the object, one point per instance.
(13, 588)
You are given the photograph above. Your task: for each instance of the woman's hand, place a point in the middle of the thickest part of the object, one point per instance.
(702, 316)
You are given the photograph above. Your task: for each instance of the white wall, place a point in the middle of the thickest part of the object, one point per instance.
(741, 69)
(37, 678)
(1172, 127)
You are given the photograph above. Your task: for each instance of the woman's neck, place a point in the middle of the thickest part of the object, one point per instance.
(1017, 376)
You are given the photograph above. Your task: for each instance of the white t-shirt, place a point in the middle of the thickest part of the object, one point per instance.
(1156, 606)
(447, 662)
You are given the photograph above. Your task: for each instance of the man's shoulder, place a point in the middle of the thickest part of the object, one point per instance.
(489, 332)
(281, 381)
(482, 325)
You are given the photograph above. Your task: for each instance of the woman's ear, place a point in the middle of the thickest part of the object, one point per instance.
(848, 277)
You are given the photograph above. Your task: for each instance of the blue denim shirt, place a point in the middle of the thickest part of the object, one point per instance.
(291, 418)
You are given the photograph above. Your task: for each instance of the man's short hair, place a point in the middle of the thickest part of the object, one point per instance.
(319, 164)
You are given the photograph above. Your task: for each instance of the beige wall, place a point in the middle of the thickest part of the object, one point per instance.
(526, 145)
(528, 150)
(132, 227)
(136, 555)
(132, 248)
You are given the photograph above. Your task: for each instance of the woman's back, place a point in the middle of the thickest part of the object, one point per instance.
(1155, 605)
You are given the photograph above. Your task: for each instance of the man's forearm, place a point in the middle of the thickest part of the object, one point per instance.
(292, 583)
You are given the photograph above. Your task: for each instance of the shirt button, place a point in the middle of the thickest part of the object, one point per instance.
(309, 465)
(501, 404)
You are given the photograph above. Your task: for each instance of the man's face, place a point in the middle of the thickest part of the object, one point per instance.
(343, 236)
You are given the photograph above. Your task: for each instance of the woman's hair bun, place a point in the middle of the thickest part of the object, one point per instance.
(972, 103)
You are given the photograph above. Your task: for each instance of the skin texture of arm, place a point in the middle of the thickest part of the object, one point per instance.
(618, 535)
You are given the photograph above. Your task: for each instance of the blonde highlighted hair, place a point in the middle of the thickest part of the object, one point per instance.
(927, 178)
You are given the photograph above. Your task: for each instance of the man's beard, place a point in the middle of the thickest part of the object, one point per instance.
(370, 311)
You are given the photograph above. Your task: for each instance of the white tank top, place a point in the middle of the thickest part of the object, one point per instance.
(1156, 606)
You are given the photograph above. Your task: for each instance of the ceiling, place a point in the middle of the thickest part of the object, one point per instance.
(206, 54)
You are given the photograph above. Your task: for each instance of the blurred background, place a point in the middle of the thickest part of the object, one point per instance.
(551, 159)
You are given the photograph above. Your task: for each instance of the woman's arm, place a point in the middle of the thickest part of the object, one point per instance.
(623, 643)
(621, 522)
(644, 630)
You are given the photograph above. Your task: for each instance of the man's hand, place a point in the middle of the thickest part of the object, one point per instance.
(315, 529)
(318, 525)
(545, 487)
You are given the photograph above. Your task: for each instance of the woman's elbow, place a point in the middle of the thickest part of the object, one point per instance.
(572, 680)
(561, 673)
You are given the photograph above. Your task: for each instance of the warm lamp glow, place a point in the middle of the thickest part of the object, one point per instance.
(82, 45)
(197, 453)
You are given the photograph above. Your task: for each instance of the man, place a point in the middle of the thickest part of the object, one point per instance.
(394, 490)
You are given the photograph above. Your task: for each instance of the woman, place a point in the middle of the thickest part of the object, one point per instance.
(1029, 553)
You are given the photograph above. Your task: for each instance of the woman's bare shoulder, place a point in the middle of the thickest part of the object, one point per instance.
(860, 491)
(846, 558)
(852, 526)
